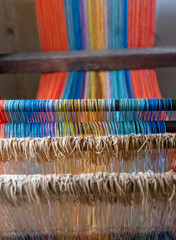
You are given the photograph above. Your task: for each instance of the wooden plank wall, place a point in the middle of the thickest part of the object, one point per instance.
(18, 33)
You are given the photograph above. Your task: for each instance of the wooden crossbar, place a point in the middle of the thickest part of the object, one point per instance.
(45, 62)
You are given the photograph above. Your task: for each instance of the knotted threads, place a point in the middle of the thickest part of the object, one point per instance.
(96, 150)
(125, 188)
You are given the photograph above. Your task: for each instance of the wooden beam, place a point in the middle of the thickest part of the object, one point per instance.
(136, 58)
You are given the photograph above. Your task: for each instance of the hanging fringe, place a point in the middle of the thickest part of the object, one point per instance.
(95, 150)
(125, 188)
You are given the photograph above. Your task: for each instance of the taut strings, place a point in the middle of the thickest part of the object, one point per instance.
(90, 25)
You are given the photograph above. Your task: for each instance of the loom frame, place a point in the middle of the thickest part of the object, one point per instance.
(47, 62)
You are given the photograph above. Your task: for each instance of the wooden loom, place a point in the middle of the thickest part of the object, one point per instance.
(140, 58)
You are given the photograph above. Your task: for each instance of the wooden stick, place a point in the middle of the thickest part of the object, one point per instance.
(137, 58)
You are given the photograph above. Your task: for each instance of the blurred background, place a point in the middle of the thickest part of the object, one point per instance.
(18, 33)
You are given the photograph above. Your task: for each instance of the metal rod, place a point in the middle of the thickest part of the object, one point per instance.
(132, 58)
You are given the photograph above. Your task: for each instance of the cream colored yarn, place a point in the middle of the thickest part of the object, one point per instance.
(125, 188)
(93, 149)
